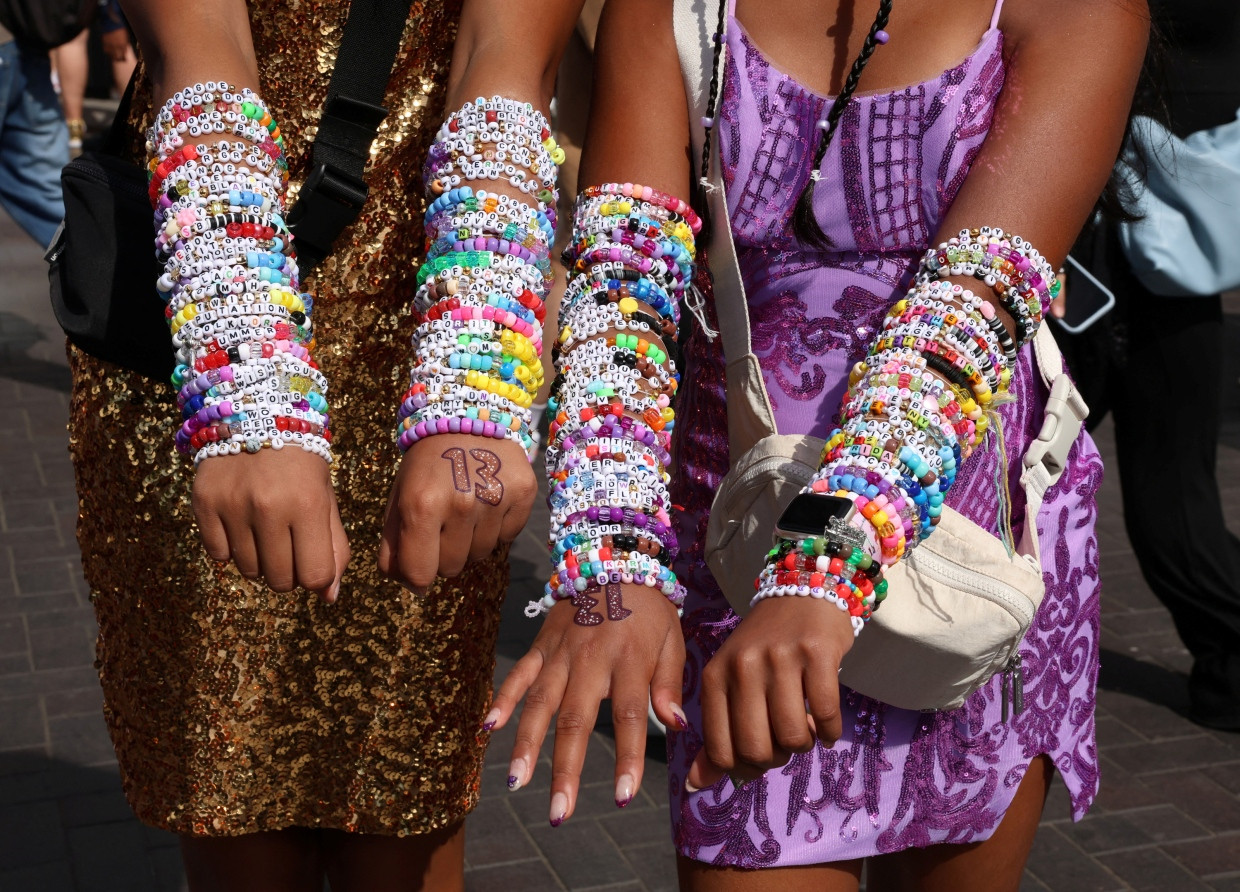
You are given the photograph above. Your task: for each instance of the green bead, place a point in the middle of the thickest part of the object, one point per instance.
(855, 556)
(820, 546)
(881, 589)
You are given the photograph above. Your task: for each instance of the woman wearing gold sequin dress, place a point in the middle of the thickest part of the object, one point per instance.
(286, 736)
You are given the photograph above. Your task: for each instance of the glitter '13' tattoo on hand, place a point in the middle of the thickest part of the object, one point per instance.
(489, 489)
(584, 602)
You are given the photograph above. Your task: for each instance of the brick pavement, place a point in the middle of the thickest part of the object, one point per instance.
(1168, 817)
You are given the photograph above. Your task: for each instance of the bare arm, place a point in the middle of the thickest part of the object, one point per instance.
(510, 47)
(1072, 71)
(221, 47)
(587, 651)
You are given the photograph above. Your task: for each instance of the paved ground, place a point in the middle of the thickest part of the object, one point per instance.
(1168, 817)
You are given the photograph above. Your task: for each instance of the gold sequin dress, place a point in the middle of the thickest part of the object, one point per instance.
(235, 709)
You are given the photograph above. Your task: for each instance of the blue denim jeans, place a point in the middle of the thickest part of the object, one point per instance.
(34, 142)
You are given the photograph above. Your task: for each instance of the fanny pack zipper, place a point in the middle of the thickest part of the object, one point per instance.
(1014, 675)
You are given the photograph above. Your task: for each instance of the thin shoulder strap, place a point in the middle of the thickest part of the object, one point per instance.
(750, 416)
(994, 18)
(731, 7)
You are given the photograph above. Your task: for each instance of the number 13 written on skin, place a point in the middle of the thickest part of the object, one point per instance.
(489, 489)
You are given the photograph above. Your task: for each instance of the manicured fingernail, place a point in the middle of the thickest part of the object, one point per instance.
(689, 788)
(681, 721)
(334, 592)
(488, 724)
(559, 809)
(516, 774)
(624, 790)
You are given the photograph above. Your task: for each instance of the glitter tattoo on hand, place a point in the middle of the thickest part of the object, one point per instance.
(584, 602)
(489, 489)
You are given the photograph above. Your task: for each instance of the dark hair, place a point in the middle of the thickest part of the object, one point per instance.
(804, 224)
(1118, 199)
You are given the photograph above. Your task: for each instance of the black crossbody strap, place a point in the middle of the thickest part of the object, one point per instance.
(335, 189)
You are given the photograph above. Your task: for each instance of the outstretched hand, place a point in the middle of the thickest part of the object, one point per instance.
(619, 641)
(771, 690)
(455, 498)
(274, 515)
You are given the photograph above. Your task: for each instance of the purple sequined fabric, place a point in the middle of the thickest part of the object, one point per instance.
(896, 778)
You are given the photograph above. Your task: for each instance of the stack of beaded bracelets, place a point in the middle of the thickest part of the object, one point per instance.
(630, 259)
(916, 407)
(480, 293)
(240, 326)
(1023, 280)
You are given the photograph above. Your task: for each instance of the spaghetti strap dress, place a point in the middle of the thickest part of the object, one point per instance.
(233, 708)
(896, 778)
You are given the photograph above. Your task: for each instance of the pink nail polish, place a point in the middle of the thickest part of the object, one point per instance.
(681, 722)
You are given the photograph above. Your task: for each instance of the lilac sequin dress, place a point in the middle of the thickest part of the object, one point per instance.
(896, 778)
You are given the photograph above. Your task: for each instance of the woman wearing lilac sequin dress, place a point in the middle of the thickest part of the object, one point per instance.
(1011, 116)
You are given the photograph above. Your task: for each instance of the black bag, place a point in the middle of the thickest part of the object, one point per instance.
(102, 264)
(102, 260)
(45, 24)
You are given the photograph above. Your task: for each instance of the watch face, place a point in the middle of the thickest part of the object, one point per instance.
(810, 513)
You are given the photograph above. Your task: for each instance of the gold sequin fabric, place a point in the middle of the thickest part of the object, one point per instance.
(235, 709)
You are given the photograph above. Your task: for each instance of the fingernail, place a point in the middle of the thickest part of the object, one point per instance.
(488, 724)
(624, 790)
(334, 592)
(681, 721)
(559, 809)
(516, 774)
(689, 788)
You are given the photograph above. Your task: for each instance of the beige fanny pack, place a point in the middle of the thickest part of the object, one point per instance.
(959, 603)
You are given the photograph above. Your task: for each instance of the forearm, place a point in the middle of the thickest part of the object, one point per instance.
(183, 44)
(511, 48)
(629, 262)
(238, 323)
(491, 181)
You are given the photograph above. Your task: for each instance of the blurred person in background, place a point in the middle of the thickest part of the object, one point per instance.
(34, 142)
(73, 68)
